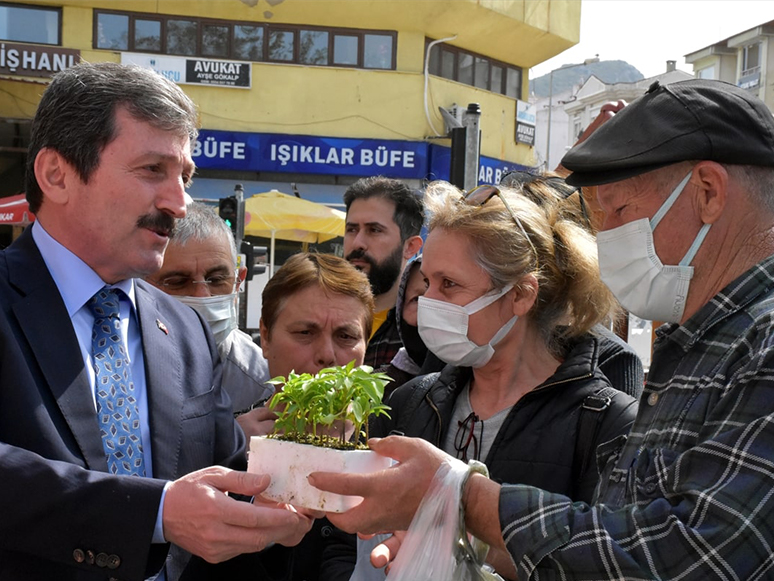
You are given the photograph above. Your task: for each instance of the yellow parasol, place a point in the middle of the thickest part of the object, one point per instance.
(276, 215)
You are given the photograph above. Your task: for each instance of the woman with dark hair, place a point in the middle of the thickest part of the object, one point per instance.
(317, 312)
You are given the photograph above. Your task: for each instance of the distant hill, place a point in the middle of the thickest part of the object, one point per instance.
(565, 78)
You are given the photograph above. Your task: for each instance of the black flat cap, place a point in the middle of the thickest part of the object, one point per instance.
(689, 120)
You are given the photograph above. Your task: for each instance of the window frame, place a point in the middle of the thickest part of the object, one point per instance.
(701, 73)
(198, 43)
(393, 52)
(162, 34)
(268, 28)
(229, 39)
(55, 9)
(293, 49)
(746, 68)
(264, 35)
(358, 52)
(329, 48)
(492, 63)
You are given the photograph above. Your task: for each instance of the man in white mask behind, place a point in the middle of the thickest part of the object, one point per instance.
(200, 270)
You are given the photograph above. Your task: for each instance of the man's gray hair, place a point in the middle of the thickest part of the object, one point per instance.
(201, 223)
(757, 181)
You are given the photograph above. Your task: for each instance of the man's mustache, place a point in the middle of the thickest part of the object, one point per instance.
(161, 223)
(360, 254)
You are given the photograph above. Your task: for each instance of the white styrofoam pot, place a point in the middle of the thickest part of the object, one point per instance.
(289, 464)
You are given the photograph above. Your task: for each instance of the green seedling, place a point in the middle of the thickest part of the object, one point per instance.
(310, 407)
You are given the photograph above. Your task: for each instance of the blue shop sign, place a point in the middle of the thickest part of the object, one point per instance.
(490, 170)
(270, 152)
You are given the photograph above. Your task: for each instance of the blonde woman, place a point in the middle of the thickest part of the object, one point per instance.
(513, 293)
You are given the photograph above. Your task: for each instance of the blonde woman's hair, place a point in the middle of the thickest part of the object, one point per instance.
(561, 253)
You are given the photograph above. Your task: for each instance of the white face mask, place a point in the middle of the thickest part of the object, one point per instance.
(219, 311)
(444, 329)
(629, 266)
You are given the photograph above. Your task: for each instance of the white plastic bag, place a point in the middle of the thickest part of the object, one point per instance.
(364, 570)
(436, 546)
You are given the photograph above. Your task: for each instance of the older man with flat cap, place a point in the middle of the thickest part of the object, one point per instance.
(686, 176)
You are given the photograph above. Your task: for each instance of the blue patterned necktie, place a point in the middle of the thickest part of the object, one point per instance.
(119, 418)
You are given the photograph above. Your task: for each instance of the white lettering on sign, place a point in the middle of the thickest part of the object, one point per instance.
(231, 70)
(220, 149)
(6, 217)
(34, 59)
(489, 175)
(285, 153)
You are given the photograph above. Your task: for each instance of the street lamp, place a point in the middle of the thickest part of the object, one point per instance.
(551, 99)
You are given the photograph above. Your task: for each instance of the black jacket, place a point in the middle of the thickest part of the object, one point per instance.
(536, 443)
(616, 359)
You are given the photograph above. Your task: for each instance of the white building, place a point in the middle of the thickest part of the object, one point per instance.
(745, 59)
(559, 127)
(583, 107)
(572, 110)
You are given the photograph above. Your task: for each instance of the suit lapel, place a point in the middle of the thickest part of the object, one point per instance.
(43, 318)
(163, 382)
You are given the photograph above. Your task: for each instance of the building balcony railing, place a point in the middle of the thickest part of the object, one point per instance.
(750, 79)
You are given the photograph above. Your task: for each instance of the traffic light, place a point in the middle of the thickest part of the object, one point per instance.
(228, 209)
(260, 255)
(253, 254)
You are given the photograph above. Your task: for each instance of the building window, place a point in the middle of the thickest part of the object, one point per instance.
(113, 32)
(306, 45)
(448, 65)
(706, 73)
(313, 47)
(465, 68)
(473, 69)
(28, 24)
(577, 128)
(248, 42)
(750, 58)
(281, 44)
(345, 50)
(215, 40)
(378, 51)
(512, 83)
(481, 79)
(147, 35)
(181, 37)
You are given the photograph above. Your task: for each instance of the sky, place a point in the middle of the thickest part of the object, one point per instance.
(647, 33)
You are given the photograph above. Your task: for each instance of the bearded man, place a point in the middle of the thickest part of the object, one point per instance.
(384, 218)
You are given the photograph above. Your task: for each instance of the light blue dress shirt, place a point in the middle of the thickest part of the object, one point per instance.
(77, 283)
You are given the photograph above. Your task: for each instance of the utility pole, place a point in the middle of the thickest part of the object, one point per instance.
(550, 109)
(239, 236)
(472, 119)
(239, 232)
(551, 102)
(465, 149)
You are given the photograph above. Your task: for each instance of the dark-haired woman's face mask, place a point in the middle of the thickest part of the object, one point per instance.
(413, 343)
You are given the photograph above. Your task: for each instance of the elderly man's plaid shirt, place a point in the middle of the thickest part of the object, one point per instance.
(690, 495)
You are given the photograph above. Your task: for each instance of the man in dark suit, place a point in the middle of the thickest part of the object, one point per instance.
(109, 444)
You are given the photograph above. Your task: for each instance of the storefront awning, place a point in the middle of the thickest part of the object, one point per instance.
(15, 211)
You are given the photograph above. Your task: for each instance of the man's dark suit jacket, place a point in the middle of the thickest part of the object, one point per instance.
(57, 504)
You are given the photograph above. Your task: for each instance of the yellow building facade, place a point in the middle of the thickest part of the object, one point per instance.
(301, 94)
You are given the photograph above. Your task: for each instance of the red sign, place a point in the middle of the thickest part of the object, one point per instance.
(14, 210)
